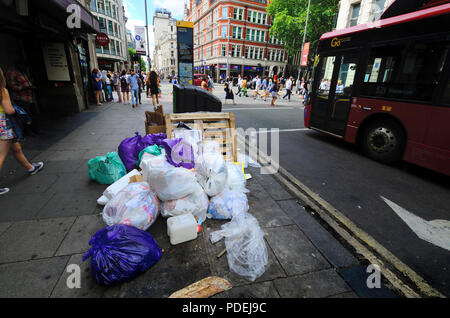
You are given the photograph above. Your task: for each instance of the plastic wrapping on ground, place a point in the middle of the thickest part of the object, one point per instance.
(195, 203)
(236, 177)
(106, 169)
(120, 252)
(179, 153)
(246, 248)
(171, 183)
(227, 204)
(135, 205)
(211, 172)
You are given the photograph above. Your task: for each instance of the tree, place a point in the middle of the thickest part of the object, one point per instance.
(143, 65)
(289, 17)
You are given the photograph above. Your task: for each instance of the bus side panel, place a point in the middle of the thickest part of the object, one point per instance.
(428, 157)
(307, 117)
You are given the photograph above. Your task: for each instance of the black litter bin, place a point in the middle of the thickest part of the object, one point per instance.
(191, 99)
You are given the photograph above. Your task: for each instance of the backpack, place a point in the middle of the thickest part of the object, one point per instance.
(123, 81)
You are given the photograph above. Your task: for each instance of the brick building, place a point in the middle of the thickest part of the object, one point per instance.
(232, 37)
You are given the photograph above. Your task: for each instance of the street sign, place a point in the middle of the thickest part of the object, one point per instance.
(102, 39)
(305, 54)
(141, 44)
(185, 44)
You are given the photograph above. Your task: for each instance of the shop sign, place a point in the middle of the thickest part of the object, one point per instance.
(55, 61)
(102, 39)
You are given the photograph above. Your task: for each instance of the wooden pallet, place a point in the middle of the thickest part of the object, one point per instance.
(219, 127)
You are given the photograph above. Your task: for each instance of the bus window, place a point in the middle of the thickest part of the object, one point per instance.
(346, 76)
(408, 72)
(325, 75)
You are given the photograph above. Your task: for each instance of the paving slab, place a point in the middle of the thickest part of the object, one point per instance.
(264, 208)
(313, 285)
(221, 267)
(60, 155)
(4, 226)
(296, 254)
(68, 204)
(39, 183)
(61, 166)
(77, 240)
(29, 240)
(258, 290)
(21, 207)
(275, 190)
(89, 288)
(330, 247)
(35, 278)
(77, 182)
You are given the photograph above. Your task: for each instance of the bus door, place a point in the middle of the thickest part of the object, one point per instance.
(332, 102)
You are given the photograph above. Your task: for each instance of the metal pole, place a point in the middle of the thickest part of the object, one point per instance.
(228, 48)
(148, 39)
(304, 40)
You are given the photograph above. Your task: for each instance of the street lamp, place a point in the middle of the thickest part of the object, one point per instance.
(304, 40)
(228, 48)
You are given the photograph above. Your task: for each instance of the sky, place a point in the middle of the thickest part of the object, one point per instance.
(135, 11)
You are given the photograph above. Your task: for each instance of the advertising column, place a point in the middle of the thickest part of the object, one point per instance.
(185, 40)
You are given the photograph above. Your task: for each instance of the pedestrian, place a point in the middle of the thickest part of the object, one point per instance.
(125, 87)
(141, 81)
(258, 86)
(154, 89)
(22, 93)
(210, 84)
(97, 85)
(239, 83)
(134, 88)
(228, 93)
(289, 85)
(244, 87)
(9, 140)
(116, 83)
(273, 90)
(104, 87)
(147, 85)
(340, 87)
(108, 87)
(204, 84)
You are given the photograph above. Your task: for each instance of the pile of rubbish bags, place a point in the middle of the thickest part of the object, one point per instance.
(176, 177)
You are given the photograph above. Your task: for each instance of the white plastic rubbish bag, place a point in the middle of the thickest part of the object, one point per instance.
(193, 137)
(227, 204)
(246, 248)
(172, 183)
(235, 177)
(149, 161)
(136, 205)
(211, 172)
(195, 203)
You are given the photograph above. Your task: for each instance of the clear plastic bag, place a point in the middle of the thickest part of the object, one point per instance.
(149, 161)
(211, 172)
(196, 203)
(136, 205)
(235, 177)
(246, 248)
(227, 204)
(172, 183)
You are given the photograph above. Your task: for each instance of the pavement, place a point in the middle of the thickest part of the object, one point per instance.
(47, 220)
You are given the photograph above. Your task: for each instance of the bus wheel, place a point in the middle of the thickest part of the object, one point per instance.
(384, 141)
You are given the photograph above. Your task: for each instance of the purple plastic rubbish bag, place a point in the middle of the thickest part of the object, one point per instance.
(128, 151)
(179, 153)
(152, 139)
(121, 252)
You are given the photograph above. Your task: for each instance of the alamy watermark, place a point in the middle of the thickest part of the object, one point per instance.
(74, 19)
(74, 279)
(374, 279)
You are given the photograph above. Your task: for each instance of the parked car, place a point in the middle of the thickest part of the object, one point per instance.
(198, 78)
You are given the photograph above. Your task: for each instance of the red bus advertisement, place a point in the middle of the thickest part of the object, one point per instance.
(385, 86)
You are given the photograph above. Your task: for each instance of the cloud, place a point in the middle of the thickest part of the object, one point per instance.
(174, 6)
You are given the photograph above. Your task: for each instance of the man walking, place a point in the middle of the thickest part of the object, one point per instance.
(134, 84)
(288, 88)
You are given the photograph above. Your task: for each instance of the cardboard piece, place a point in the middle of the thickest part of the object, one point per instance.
(205, 288)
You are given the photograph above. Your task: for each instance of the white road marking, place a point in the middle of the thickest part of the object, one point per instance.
(283, 130)
(436, 232)
(257, 108)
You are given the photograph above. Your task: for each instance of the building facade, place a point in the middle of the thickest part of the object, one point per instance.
(355, 12)
(165, 57)
(111, 15)
(231, 38)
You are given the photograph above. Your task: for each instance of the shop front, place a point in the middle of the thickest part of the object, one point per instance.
(56, 58)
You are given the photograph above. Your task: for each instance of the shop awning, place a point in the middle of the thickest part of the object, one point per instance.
(89, 22)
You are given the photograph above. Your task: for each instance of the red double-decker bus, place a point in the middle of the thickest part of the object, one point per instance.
(385, 86)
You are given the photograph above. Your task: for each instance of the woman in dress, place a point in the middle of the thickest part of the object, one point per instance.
(154, 89)
(97, 84)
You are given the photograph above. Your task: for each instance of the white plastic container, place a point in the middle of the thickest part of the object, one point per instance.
(182, 228)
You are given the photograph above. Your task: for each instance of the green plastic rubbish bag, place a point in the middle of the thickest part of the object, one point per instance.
(107, 169)
(153, 150)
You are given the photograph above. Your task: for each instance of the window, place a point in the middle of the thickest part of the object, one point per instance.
(249, 16)
(224, 31)
(113, 47)
(354, 14)
(325, 74)
(408, 71)
(224, 12)
(259, 17)
(101, 6)
(224, 50)
(108, 8)
(378, 8)
(110, 28)
(102, 24)
(93, 6)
